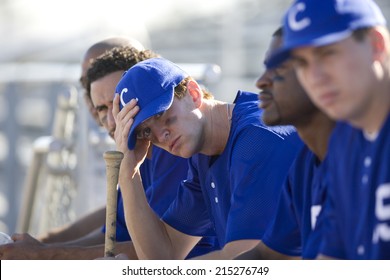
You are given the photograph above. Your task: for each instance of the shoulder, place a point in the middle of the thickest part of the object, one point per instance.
(245, 96)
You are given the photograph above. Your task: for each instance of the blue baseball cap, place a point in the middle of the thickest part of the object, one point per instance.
(323, 22)
(152, 82)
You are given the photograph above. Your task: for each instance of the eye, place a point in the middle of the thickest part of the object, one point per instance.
(144, 133)
(100, 108)
(277, 78)
(147, 133)
(327, 52)
(298, 63)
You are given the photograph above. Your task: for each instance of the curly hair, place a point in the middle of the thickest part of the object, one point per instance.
(116, 59)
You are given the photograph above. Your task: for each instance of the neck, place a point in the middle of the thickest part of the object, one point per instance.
(217, 126)
(372, 120)
(316, 133)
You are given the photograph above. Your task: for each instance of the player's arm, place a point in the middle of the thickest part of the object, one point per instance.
(78, 229)
(95, 237)
(230, 251)
(153, 239)
(263, 252)
(26, 247)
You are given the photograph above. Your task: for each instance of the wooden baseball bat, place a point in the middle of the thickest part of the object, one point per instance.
(113, 161)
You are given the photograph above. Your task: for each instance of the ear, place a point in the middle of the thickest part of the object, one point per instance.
(378, 44)
(195, 92)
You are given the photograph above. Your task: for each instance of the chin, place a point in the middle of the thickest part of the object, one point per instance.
(184, 155)
(334, 114)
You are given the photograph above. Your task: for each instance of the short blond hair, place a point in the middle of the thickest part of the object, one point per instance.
(181, 89)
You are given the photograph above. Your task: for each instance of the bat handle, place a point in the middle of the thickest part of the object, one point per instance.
(113, 161)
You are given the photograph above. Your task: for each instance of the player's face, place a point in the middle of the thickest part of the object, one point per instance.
(338, 77)
(283, 100)
(102, 93)
(179, 130)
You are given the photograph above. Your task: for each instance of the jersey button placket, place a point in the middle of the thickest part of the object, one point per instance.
(213, 187)
(367, 164)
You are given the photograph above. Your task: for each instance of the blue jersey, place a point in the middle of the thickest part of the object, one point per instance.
(234, 195)
(161, 176)
(293, 230)
(357, 217)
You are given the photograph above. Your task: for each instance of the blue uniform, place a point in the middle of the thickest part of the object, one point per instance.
(293, 230)
(234, 195)
(357, 217)
(161, 177)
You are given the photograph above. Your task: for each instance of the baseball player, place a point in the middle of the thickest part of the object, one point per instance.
(236, 164)
(161, 172)
(341, 52)
(293, 231)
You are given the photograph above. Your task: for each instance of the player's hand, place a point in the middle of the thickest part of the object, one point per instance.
(117, 257)
(25, 247)
(124, 119)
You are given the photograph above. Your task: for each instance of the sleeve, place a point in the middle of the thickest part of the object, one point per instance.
(189, 213)
(165, 176)
(257, 175)
(283, 233)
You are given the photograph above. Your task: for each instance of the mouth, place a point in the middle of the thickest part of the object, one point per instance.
(265, 99)
(328, 98)
(173, 144)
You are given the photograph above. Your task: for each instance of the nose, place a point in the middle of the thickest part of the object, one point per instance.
(265, 80)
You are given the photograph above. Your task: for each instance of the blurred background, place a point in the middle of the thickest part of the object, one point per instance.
(51, 166)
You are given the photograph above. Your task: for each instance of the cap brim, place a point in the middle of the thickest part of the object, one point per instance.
(284, 53)
(158, 105)
(277, 58)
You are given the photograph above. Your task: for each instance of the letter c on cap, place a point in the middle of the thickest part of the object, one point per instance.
(121, 96)
(292, 18)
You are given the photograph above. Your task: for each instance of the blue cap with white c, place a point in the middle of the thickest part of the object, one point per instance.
(323, 22)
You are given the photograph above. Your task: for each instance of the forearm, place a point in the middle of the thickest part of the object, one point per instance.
(148, 232)
(95, 237)
(64, 252)
(230, 251)
(263, 252)
(57, 252)
(91, 252)
(77, 229)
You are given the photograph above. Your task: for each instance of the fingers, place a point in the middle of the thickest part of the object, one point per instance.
(18, 236)
(128, 112)
(115, 106)
(121, 257)
(124, 120)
